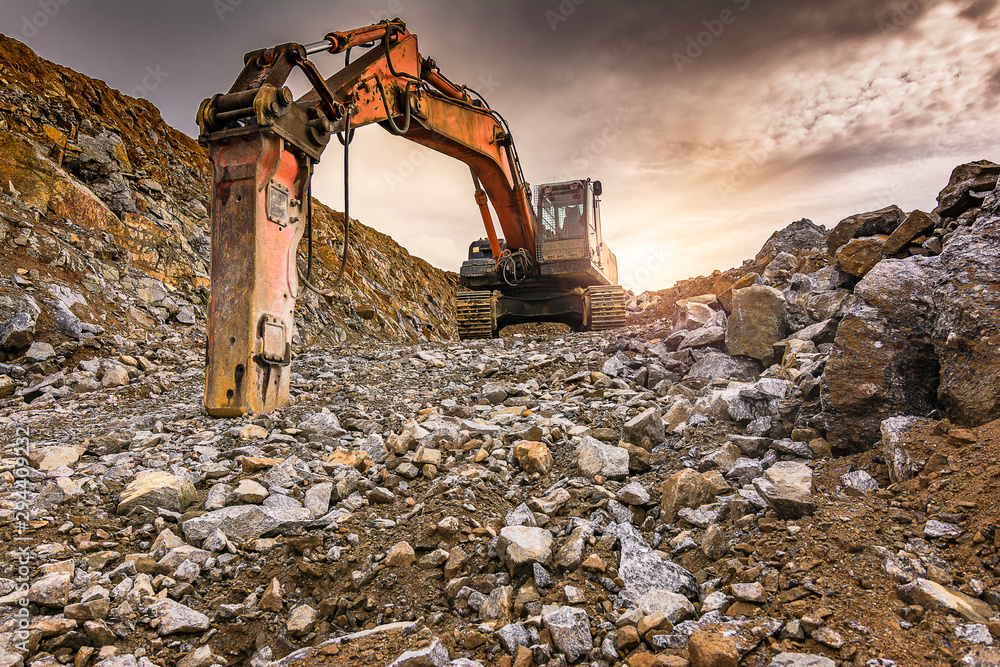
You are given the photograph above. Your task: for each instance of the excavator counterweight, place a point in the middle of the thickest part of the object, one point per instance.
(551, 264)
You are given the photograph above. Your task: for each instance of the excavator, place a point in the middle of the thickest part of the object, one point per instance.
(551, 265)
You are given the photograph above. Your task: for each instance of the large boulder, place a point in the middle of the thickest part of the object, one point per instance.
(923, 335)
(787, 487)
(720, 365)
(858, 256)
(802, 235)
(883, 362)
(966, 179)
(17, 332)
(757, 321)
(883, 221)
(157, 490)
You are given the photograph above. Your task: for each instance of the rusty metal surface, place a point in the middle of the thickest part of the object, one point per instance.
(250, 316)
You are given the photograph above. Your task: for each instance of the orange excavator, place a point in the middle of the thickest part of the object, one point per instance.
(550, 266)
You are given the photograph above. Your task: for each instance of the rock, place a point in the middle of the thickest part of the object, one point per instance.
(801, 660)
(302, 620)
(757, 321)
(39, 352)
(570, 630)
(859, 256)
(633, 494)
(674, 606)
(157, 490)
(691, 314)
(685, 488)
(523, 545)
(374, 446)
(974, 633)
(713, 544)
(883, 221)
(858, 482)
(251, 492)
(51, 590)
(551, 502)
(317, 499)
(707, 649)
(400, 555)
(931, 595)
(50, 458)
(801, 235)
(642, 570)
(432, 655)
(175, 617)
(533, 456)
(512, 636)
(787, 488)
(273, 598)
(251, 432)
(200, 657)
(496, 606)
(981, 657)
(645, 429)
(116, 375)
(957, 197)
(703, 337)
(897, 458)
(752, 592)
(242, 522)
(915, 224)
(595, 458)
(883, 362)
(17, 332)
(720, 365)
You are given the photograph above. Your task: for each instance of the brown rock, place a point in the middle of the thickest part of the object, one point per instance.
(726, 297)
(533, 456)
(708, 649)
(685, 488)
(883, 221)
(859, 256)
(916, 223)
(628, 638)
(273, 597)
(757, 321)
(400, 555)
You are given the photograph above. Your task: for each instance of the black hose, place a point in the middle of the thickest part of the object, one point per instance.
(347, 218)
(395, 129)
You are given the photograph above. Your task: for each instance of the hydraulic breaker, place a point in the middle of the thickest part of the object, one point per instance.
(260, 205)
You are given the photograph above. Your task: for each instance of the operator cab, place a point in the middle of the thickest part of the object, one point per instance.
(570, 243)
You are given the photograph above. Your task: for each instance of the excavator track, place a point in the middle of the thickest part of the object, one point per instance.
(476, 314)
(606, 306)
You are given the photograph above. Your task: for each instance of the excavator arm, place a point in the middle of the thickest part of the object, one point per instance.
(264, 145)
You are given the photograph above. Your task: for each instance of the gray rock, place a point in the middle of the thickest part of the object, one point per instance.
(375, 446)
(595, 458)
(521, 516)
(523, 545)
(50, 590)
(757, 321)
(675, 606)
(643, 570)
(633, 494)
(931, 595)
(512, 636)
(570, 630)
(17, 332)
(801, 660)
(940, 529)
(39, 352)
(318, 499)
(645, 429)
(156, 489)
(433, 655)
(897, 458)
(720, 365)
(974, 633)
(787, 488)
(242, 522)
(859, 482)
(175, 617)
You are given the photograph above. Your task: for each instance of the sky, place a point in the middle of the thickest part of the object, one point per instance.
(711, 123)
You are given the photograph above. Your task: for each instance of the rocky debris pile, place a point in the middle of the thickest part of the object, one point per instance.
(104, 230)
(522, 501)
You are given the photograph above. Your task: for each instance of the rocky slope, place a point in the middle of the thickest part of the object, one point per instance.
(101, 199)
(791, 464)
